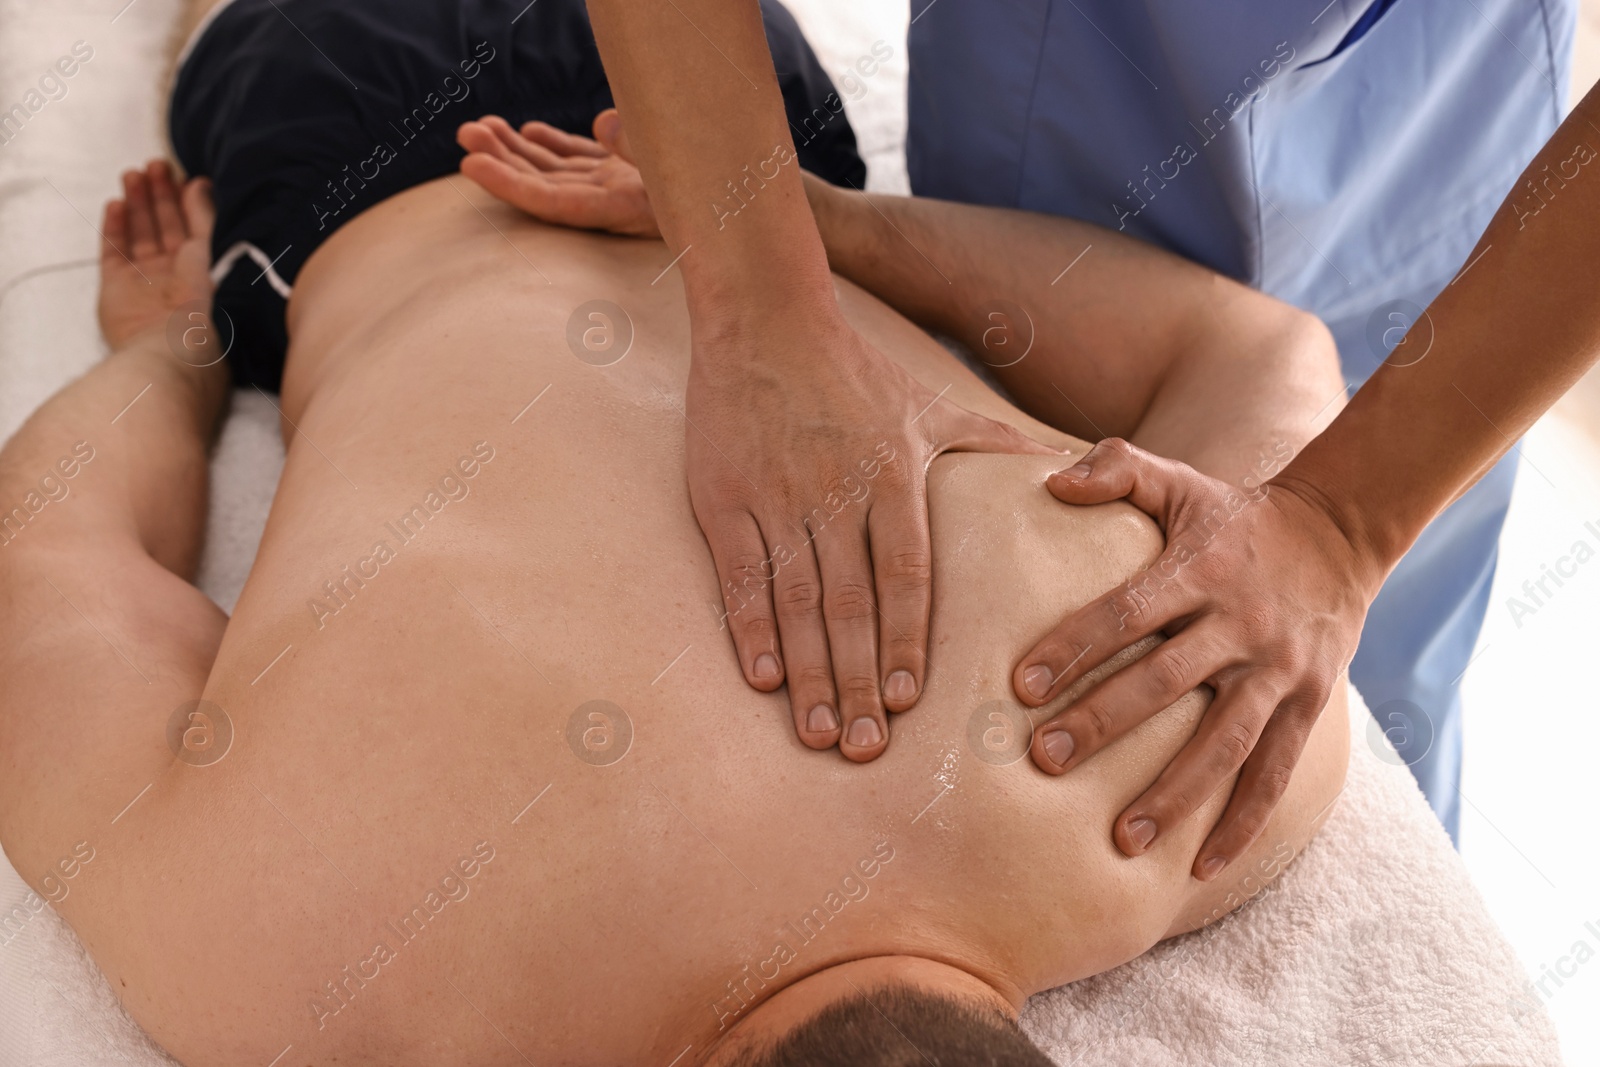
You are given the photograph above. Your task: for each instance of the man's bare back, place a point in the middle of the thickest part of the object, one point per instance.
(496, 789)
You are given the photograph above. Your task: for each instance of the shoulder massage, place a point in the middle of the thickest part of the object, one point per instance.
(470, 775)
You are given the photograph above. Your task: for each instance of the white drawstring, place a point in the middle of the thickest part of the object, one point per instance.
(244, 248)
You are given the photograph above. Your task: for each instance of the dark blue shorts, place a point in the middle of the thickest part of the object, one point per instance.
(304, 113)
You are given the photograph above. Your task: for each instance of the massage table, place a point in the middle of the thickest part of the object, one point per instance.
(1373, 948)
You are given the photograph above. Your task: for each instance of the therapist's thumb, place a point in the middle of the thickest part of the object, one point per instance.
(1114, 470)
(608, 131)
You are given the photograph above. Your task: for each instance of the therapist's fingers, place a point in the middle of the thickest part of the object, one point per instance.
(744, 568)
(1116, 470)
(902, 570)
(1261, 783)
(850, 614)
(797, 601)
(901, 556)
(1222, 742)
(1144, 604)
(1125, 699)
(1093, 634)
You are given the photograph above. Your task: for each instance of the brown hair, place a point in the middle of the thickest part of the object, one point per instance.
(900, 1026)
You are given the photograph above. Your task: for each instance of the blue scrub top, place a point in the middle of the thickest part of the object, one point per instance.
(1336, 155)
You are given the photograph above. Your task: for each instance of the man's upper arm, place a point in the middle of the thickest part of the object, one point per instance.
(1144, 345)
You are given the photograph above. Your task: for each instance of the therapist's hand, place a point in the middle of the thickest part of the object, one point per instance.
(1261, 596)
(808, 453)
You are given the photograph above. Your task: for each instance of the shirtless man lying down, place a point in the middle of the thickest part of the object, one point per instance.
(471, 775)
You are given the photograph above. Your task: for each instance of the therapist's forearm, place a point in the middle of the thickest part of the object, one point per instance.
(694, 82)
(1509, 336)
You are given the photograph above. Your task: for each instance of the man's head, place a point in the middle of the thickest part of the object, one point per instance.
(885, 1012)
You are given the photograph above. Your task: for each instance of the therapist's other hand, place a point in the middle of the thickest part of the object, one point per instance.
(559, 177)
(1260, 595)
(807, 457)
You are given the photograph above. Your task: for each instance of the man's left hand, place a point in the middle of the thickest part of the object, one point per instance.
(559, 177)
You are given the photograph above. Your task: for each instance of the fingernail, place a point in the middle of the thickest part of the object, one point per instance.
(864, 733)
(766, 666)
(1212, 867)
(1036, 679)
(1058, 746)
(1077, 472)
(900, 686)
(822, 719)
(1141, 832)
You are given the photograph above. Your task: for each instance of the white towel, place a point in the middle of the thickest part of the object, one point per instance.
(1373, 948)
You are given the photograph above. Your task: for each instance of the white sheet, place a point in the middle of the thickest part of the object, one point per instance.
(1373, 948)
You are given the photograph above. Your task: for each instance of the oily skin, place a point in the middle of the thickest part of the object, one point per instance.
(1186, 342)
(1418, 434)
(431, 710)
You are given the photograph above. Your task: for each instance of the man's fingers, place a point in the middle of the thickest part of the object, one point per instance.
(500, 179)
(142, 242)
(1261, 784)
(199, 212)
(164, 199)
(567, 144)
(1122, 701)
(902, 565)
(530, 190)
(480, 137)
(743, 565)
(561, 199)
(114, 230)
(1225, 739)
(534, 152)
(849, 611)
(477, 138)
(492, 137)
(797, 599)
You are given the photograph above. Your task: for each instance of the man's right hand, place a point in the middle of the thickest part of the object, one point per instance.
(807, 457)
